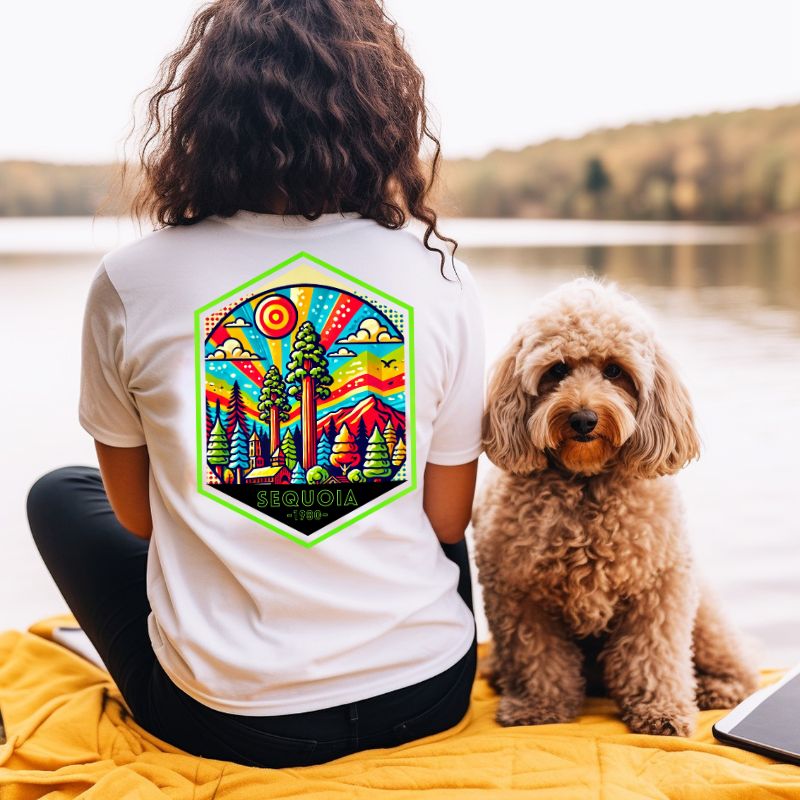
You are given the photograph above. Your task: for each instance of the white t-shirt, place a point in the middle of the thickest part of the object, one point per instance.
(290, 380)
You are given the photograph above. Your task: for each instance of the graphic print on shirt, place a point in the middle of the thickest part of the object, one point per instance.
(305, 399)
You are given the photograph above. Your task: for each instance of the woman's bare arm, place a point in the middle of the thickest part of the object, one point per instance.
(125, 472)
(447, 494)
(447, 499)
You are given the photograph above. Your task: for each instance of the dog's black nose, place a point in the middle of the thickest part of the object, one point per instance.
(583, 421)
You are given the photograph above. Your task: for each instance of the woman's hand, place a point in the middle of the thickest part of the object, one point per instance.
(447, 499)
(126, 476)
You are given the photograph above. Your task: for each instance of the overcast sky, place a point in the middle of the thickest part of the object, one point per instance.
(502, 73)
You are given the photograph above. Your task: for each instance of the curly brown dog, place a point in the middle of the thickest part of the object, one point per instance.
(580, 540)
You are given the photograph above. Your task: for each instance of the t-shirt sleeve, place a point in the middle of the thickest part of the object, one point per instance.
(457, 426)
(106, 408)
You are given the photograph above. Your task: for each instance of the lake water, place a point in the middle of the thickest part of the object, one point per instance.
(726, 302)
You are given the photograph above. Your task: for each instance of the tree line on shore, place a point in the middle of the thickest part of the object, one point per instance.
(724, 167)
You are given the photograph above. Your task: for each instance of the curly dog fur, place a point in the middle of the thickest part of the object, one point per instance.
(580, 539)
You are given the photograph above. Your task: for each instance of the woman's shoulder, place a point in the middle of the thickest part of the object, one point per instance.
(433, 268)
(155, 241)
(158, 256)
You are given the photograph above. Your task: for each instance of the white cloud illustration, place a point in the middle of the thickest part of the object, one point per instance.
(342, 352)
(370, 331)
(231, 349)
(239, 322)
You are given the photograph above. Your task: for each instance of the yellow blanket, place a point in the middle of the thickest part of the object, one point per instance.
(68, 735)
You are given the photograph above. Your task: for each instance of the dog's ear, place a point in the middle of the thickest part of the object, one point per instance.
(506, 439)
(666, 438)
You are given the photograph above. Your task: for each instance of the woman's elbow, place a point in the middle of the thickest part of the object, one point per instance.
(450, 535)
(139, 526)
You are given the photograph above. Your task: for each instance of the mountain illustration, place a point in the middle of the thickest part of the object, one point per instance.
(371, 409)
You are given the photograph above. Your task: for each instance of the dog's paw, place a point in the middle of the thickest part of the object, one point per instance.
(515, 710)
(715, 691)
(660, 721)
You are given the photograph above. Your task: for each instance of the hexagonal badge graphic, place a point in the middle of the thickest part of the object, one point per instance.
(305, 398)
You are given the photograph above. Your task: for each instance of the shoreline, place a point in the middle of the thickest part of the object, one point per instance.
(67, 237)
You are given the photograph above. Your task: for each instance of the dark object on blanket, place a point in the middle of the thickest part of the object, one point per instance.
(766, 722)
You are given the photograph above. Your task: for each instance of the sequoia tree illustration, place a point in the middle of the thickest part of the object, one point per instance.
(273, 405)
(309, 378)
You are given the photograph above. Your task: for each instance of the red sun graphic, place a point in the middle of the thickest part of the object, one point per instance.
(276, 316)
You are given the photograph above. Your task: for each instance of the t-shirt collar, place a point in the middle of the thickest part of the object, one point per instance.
(273, 223)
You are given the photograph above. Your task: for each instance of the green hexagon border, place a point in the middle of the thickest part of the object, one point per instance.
(200, 374)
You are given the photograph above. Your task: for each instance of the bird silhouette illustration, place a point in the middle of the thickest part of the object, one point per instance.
(389, 362)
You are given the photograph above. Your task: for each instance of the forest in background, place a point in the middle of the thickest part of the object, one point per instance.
(741, 166)
(721, 167)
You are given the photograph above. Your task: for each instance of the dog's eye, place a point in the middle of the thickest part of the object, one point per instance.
(559, 371)
(612, 371)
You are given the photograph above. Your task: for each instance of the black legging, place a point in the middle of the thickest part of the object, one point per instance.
(100, 569)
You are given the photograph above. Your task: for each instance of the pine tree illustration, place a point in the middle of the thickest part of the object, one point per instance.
(223, 417)
(264, 439)
(210, 418)
(240, 456)
(289, 450)
(298, 474)
(390, 435)
(376, 463)
(399, 453)
(344, 452)
(236, 410)
(324, 450)
(217, 452)
(362, 437)
(298, 439)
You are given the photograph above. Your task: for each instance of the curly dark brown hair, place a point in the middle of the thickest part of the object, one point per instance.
(289, 106)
